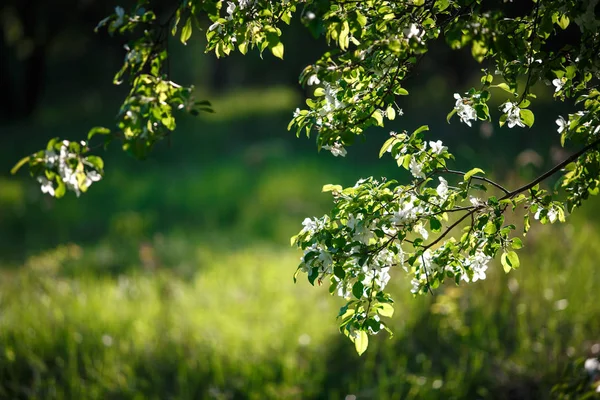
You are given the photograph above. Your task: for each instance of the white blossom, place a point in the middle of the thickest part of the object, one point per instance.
(313, 80)
(475, 202)
(437, 147)
(230, 9)
(478, 264)
(464, 109)
(416, 286)
(50, 158)
(442, 189)
(217, 25)
(416, 169)
(592, 366)
(361, 232)
(558, 83)
(309, 225)
(552, 215)
(420, 229)
(513, 114)
(337, 149)
(562, 124)
(414, 31)
(46, 185)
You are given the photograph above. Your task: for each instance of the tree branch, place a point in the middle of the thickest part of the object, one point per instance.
(552, 171)
(481, 178)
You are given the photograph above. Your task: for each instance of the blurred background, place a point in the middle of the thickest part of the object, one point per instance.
(172, 277)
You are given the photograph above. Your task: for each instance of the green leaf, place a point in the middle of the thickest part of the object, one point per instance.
(504, 262)
(563, 22)
(60, 189)
(186, 31)
(277, 50)
(96, 161)
(361, 342)
(527, 117)
(513, 259)
(422, 128)
(358, 290)
(332, 188)
(378, 117)
(361, 19)
(504, 87)
(18, 165)
(388, 143)
(517, 243)
(390, 113)
(510, 260)
(490, 228)
(343, 38)
(98, 130)
(401, 92)
(385, 310)
(435, 224)
(472, 172)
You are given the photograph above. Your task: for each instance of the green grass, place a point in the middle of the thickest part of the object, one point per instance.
(172, 278)
(239, 327)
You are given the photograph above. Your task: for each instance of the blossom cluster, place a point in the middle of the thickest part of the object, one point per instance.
(68, 168)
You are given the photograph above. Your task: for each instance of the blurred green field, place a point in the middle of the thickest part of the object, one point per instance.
(172, 279)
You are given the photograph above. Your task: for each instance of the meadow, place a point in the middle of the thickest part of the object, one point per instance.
(172, 279)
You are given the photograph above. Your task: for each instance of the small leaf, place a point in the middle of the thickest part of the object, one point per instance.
(18, 165)
(378, 117)
(513, 259)
(390, 113)
(186, 31)
(361, 342)
(277, 50)
(339, 272)
(517, 243)
(358, 289)
(332, 188)
(527, 117)
(420, 129)
(435, 224)
(490, 228)
(504, 262)
(61, 189)
(98, 130)
(361, 19)
(388, 143)
(472, 172)
(385, 310)
(504, 87)
(96, 161)
(563, 22)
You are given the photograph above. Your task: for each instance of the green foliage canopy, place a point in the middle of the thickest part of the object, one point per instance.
(377, 227)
